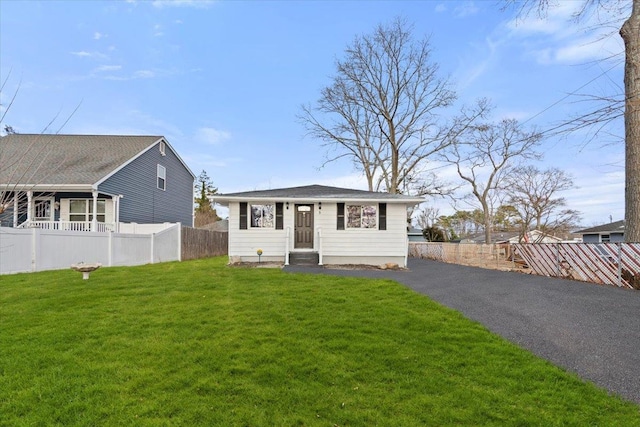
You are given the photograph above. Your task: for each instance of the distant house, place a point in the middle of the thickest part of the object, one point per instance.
(319, 225)
(92, 182)
(606, 233)
(415, 235)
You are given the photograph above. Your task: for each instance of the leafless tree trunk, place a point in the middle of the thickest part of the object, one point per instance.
(630, 33)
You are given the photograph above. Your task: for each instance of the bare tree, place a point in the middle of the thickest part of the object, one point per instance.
(610, 107)
(534, 194)
(18, 171)
(384, 109)
(483, 156)
(427, 217)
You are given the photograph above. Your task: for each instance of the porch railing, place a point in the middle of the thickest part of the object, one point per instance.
(68, 225)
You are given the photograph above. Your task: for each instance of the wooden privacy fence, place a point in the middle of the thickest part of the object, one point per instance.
(616, 264)
(478, 255)
(199, 243)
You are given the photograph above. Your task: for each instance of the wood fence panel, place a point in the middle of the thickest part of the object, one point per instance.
(199, 243)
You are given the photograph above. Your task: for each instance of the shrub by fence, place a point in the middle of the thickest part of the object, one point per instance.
(198, 243)
(616, 264)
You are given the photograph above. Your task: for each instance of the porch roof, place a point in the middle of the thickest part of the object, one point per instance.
(66, 161)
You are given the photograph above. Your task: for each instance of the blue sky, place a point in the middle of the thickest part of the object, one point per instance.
(224, 80)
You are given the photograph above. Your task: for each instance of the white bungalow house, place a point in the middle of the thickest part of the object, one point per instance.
(318, 224)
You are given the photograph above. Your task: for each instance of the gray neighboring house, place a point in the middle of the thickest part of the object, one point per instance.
(606, 233)
(59, 181)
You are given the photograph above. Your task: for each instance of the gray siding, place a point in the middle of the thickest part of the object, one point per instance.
(595, 238)
(143, 201)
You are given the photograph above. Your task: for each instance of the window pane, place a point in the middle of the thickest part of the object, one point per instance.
(78, 206)
(77, 218)
(262, 216)
(369, 215)
(354, 216)
(101, 206)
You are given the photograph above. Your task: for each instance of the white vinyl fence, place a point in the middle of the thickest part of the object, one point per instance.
(38, 250)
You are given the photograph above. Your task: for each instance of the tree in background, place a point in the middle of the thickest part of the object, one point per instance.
(609, 107)
(383, 111)
(484, 154)
(534, 194)
(17, 171)
(204, 190)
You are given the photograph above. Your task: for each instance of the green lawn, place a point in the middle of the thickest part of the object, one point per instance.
(200, 343)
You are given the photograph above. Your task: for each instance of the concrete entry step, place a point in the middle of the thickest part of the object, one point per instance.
(304, 258)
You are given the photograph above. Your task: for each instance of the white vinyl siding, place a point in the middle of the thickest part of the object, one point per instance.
(245, 243)
(364, 242)
(352, 244)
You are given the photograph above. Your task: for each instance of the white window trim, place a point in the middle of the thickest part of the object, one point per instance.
(161, 174)
(88, 216)
(250, 215)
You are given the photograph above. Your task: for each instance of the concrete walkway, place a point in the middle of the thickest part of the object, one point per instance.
(588, 329)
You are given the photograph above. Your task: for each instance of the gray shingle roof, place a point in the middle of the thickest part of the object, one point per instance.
(612, 227)
(32, 159)
(317, 192)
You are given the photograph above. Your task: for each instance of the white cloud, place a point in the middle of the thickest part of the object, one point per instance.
(93, 55)
(182, 3)
(559, 38)
(97, 35)
(467, 8)
(441, 7)
(143, 74)
(211, 136)
(81, 53)
(157, 30)
(107, 68)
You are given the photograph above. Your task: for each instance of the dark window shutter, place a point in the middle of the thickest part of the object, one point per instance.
(243, 215)
(279, 219)
(340, 223)
(382, 216)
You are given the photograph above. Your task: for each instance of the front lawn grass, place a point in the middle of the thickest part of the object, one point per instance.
(200, 343)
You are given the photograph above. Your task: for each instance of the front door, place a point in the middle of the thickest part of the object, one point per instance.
(304, 227)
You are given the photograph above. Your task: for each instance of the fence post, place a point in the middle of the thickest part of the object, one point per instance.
(619, 245)
(35, 237)
(110, 249)
(151, 244)
(180, 242)
(557, 259)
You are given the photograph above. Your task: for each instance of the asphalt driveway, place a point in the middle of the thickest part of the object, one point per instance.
(588, 329)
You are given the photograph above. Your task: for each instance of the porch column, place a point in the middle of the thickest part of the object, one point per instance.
(16, 196)
(29, 202)
(116, 211)
(94, 220)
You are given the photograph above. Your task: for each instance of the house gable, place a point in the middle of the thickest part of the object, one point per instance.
(143, 201)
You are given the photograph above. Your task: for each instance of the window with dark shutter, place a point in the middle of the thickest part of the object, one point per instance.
(382, 216)
(279, 217)
(340, 219)
(243, 215)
